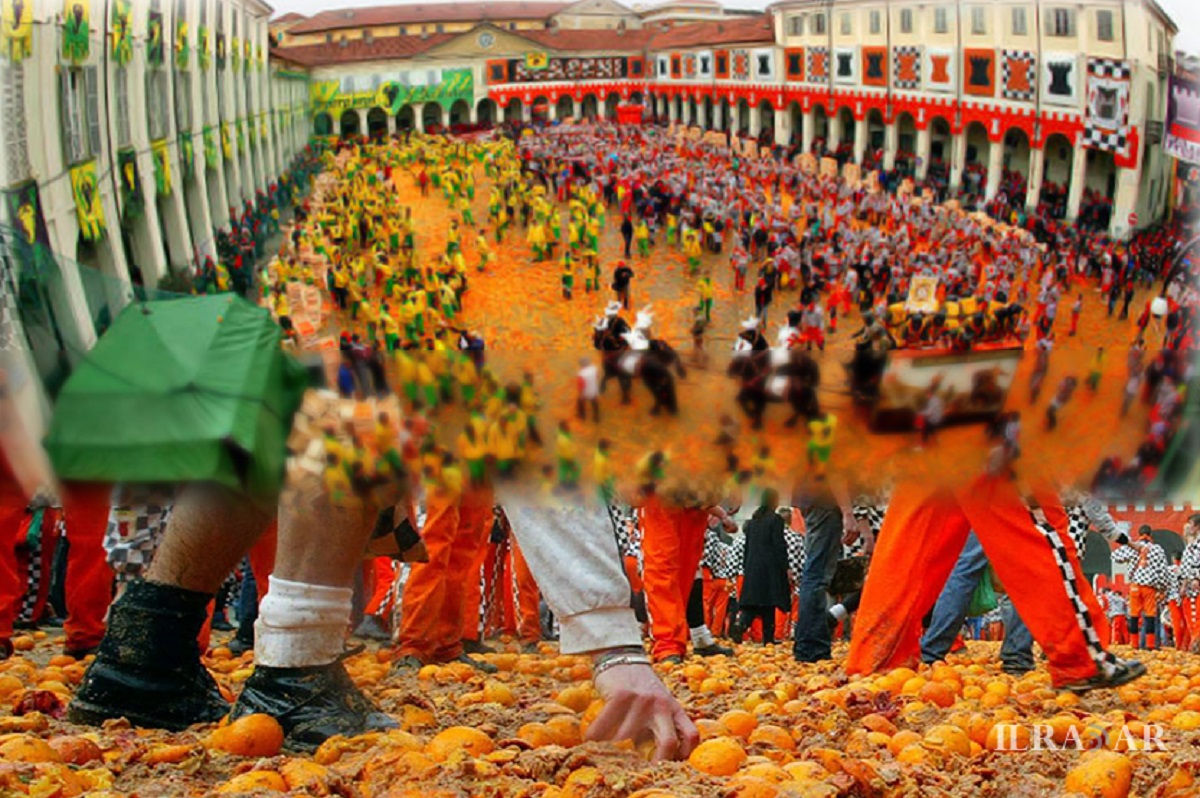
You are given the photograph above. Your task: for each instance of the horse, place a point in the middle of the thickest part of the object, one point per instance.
(789, 377)
(652, 365)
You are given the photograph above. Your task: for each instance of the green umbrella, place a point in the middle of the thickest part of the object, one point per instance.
(177, 391)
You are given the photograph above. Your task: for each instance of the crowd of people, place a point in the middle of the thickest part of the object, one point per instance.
(691, 558)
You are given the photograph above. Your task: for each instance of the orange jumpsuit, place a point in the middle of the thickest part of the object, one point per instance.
(89, 581)
(716, 603)
(512, 596)
(923, 532)
(431, 615)
(672, 546)
(12, 583)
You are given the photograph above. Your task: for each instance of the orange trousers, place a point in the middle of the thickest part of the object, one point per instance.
(12, 581)
(381, 575)
(672, 545)
(431, 615)
(716, 603)
(922, 534)
(89, 580)
(512, 596)
(1180, 625)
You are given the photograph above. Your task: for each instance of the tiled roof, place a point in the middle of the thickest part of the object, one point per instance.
(589, 40)
(291, 16)
(356, 50)
(416, 13)
(756, 29)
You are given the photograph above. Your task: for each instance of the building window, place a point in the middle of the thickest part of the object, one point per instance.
(906, 20)
(941, 20)
(1020, 22)
(16, 151)
(440, 28)
(876, 23)
(978, 21)
(76, 144)
(403, 30)
(818, 26)
(1104, 25)
(797, 25)
(183, 102)
(1061, 22)
(156, 106)
(844, 22)
(121, 97)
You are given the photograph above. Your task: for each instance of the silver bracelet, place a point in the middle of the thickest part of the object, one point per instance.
(621, 659)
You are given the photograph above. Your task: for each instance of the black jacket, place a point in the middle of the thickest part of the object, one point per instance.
(765, 563)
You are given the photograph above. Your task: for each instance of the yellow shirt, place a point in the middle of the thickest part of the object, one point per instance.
(822, 431)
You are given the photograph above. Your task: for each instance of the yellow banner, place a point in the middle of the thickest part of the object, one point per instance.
(87, 200)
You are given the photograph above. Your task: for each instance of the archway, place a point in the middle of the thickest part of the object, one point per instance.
(706, 118)
(591, 106)
(323, 124)
(979, 148)
(796, 116)
(610, 106)
(460, 113)
(693, 114)
(636, 98)
(539, 110)
(431, 118)
(349, 123)
(820, 142)
(1015, 181)
(766, 120)
(485, 112)
(723, 112)
(844, 146)
(1056, 179)
(876, 139)
(939, 140)
(565, 107)
(1100, 187)
(514, 112)
(906, 142)
(376, 123)
(743, 118)
(405, 118)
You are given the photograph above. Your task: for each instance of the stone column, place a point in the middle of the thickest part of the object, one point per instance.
(391, 124)
(718, 117)
(755, 121)
(806, 131)
(783, 127)
(924, 148)
(1078, 180)
(552, 112)
(891, 143)
(958, 161)
(1125, 201)
(834, 133)
(672, 111)
(418, 116)
(362, 120)
(1037, 173)
(861, 136)
(995, 167)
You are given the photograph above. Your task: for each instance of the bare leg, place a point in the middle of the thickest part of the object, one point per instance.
(321, 545)
(210, 530)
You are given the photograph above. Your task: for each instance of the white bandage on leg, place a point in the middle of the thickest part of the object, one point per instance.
(702, 637)
(301, 625)
(838, 611)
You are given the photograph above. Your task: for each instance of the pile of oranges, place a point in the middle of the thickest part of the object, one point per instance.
(769, 728)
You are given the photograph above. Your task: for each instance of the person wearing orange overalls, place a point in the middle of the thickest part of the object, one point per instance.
(926, 526)
(674, 520)
(1189, 580)
(459, 518)
(501, 573)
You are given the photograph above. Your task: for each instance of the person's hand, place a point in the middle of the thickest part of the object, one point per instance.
(636, 702)
(852, 529)
(730, 525)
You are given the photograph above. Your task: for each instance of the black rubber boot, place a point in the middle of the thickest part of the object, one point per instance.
(147, 668)
(312, 704)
